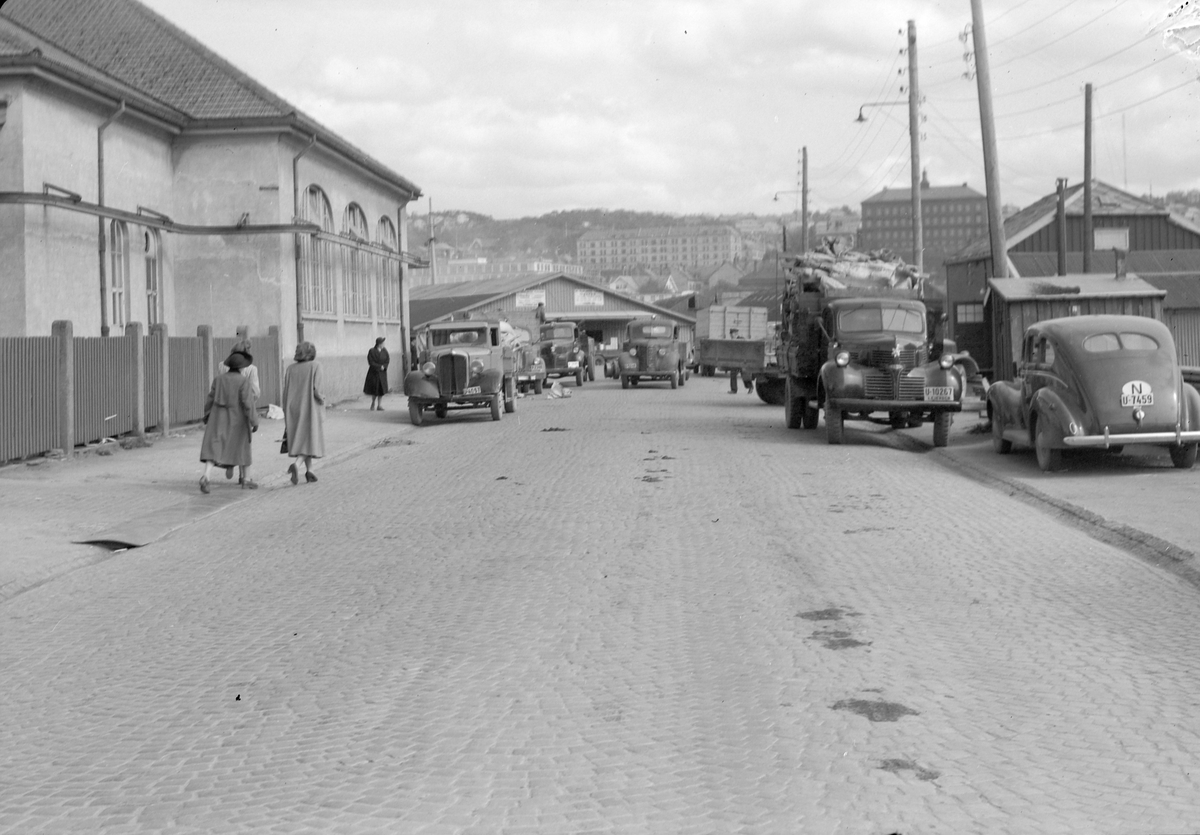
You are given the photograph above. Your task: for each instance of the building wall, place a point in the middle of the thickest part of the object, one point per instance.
(12, 218)
(659, 247)
(1146, 232)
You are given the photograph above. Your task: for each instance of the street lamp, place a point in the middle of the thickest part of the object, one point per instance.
(862, 118)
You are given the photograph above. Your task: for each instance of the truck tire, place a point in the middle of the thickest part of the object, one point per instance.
(497, 408)
(624, 382)
(733, 378)
(834, 425)
(792, 406)
(770, 392)
(415, 414)
(941, 428)
(537, 385)
(683, 375)
(579, 377)
(440, 410)
(675, 379)
(510, 396)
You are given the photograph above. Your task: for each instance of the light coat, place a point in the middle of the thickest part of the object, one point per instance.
(304, 409)
(229, 420)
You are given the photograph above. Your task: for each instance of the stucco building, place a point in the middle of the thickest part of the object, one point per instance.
(145, 179)
(689, 246)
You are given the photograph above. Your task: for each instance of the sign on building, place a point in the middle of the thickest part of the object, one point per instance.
(529, 299)
(589, 298)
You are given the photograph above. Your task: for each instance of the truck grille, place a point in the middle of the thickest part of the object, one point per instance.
(879, 385)
(452, 373)
(882, 357)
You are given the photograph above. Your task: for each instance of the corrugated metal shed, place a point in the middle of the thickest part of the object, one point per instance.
(1013, 304)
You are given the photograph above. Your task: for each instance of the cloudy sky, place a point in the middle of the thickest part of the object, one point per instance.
(516, 108)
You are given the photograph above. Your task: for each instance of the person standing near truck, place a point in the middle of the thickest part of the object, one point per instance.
(376, 384)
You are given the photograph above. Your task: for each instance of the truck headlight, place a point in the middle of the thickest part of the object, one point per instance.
(662, 352)
(476, 368)
(633, 352)
(842, 359)
(946, 361)
(429, 369)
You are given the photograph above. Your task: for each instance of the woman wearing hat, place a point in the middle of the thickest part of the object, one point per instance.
(250, 372)
(377, 366)
(230, 418)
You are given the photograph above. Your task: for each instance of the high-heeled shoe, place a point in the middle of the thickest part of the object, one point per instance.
(294, 473)
(229, 472)
(204, 484)
(310, 477)
(249, 484)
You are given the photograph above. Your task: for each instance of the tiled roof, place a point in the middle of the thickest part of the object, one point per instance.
(896, 195)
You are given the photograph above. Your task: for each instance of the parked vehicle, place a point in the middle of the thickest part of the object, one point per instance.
(462, 365)
(529, 368)
(651, 351)
(563, 347)
(754, 361)
(724, 322)
(858, 346)
(1088, 382)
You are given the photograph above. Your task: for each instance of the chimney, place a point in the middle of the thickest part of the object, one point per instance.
(924, 178)
(1120, 258)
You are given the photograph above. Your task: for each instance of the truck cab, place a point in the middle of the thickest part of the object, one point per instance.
(461, 364)
(563, 348)
(651, 351)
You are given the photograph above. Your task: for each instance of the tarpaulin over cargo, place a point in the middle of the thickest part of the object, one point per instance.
(834, 268)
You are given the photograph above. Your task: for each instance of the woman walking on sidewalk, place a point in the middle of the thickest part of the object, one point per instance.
(376, 384)
(304, 411)
(250, 372)
(230, 418)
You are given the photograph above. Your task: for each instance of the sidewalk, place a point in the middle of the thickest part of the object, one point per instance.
(129, 497)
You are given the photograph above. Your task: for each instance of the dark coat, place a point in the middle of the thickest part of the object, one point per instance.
(229, 420)
(376, 384)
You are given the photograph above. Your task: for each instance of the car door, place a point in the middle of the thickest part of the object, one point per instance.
(1027, 375)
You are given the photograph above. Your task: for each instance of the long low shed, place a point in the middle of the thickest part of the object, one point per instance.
(1013, 304)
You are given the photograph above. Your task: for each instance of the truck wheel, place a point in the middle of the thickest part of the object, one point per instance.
(1184, 456)
(770, 392)
(941, 428)
(1049, 459)
(624, 382)
(579, 377)
(510, 396)
(633, 381)
(683, 376)
(675, 379)
(497, 408)
(440, 410)
(834, 424)
(537, 386)
(733, 378)
(1000, 445)
(792, 405)
(415, 416)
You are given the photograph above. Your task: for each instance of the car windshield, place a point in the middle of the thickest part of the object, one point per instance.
(874, 319)
(649, 331)
(558, 332)
(1104, 343)
(473, 337)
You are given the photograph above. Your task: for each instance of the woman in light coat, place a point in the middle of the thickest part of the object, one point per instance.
(230, 418)
(250, 372)
(304, 411)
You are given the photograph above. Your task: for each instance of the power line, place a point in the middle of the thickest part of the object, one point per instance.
(848, 149)
(1057, 40)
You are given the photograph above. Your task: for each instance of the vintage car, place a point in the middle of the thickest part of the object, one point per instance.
(529, 368)
(461, 365)
(563, 348)
(651, 351)
(1088, 382)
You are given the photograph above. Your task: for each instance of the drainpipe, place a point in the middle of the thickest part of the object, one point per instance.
(104, 329)
(295, 217)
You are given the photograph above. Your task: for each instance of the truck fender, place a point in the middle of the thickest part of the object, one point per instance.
(1052, 412)
(492, 380)
(416, 384)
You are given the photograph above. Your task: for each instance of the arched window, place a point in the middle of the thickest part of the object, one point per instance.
(316, 256)
(154, 264)
(118, 282)
(387, 272)
(356, 266)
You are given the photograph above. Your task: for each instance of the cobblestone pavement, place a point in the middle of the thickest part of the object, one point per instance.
(627, 611)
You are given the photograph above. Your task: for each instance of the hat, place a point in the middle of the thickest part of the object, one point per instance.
(379, 340)
(237, 361)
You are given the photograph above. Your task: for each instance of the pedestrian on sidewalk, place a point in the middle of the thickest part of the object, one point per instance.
(376, 384)
(230, 418)
(250, 372)
(304, 411)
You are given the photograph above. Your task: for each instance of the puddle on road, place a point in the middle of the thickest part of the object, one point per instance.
(837, 639)
(876, 711)
(832, 613)
(895, 766)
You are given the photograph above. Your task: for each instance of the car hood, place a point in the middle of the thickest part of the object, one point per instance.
(1105, 381)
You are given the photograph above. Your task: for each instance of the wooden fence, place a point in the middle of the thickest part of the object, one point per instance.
(60, 391)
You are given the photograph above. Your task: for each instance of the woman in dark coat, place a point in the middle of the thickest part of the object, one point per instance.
(230, 418)
(377, 366)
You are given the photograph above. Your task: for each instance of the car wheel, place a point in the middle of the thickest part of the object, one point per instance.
(683, 375)
(624, 382)
(834, 424)
(537, 386)
(578, 377)
(941, 428)
(440, 410)
(1184, 456)
(510, 397)
(793, 409)
(1048, 458)
(497, 407)
(675, 380)
(415, 414)
(1000, 444)
(812, 414)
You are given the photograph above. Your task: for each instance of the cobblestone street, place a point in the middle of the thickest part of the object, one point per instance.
(626, 611)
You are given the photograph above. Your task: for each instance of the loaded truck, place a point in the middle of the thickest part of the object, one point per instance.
(856, 343)
(741, 342)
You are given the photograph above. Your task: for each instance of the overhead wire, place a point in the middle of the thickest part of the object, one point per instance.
(1057, 39)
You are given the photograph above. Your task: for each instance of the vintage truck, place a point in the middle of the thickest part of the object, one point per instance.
(651, 351)
(856, 343)
(755, 361)
(462, 364)
(563, 347)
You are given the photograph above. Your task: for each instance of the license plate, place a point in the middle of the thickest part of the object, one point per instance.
(939, 393)
(572, 364)
(472, 390)
(1137, 399)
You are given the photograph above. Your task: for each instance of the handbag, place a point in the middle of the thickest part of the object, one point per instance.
(283, 445)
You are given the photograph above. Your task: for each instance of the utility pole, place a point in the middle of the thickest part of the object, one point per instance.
(1088, 237)
(991, 161)
(804, 199)
(432, 247)
(914, 143)
(1060, 224)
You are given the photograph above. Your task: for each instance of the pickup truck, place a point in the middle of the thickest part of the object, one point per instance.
(462, 364)
(563, 347)
(651, 351)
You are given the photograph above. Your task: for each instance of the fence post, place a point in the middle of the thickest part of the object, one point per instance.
(277, 341)
(164, 381)
(206, 355)
(64, 336)
(133, 331)
(243, 332)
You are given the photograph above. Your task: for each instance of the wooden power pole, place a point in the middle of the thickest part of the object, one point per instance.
(1088, 237)
(991, 161)
(914, 142)
(804, 199)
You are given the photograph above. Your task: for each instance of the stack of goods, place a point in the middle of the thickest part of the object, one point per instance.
(831, 267)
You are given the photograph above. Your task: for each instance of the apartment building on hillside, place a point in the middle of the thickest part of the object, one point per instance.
(698, 246)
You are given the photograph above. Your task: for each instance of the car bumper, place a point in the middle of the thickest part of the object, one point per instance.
(1106, 440)
(863, 405)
